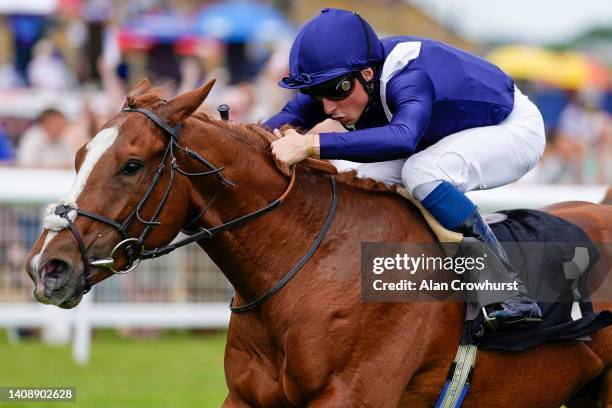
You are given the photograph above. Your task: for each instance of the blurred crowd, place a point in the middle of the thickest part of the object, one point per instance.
(82, 58)
(579, 132)
(84, 54)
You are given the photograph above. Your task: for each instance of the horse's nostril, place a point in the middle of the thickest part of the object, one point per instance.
(55, 268)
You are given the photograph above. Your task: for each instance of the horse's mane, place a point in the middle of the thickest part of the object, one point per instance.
(350, 179)
(253, 134)
(258, 136)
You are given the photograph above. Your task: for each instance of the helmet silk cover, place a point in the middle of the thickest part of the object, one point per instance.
(333, 43)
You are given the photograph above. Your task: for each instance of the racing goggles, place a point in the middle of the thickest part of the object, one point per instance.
(335, 89)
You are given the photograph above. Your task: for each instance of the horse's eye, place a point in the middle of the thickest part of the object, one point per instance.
(131, 167)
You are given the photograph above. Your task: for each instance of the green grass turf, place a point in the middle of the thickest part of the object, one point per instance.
(177, 370)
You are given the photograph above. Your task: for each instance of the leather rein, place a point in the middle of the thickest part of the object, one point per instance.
(134, 246)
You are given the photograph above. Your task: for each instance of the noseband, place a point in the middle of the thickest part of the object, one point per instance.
(134, 246)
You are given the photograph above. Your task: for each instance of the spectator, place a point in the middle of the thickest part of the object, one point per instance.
(7, 155)
(606, 103)
(26, 30)
(582, 131)
(606, 98)
(551, 102)
(604, 150)
(47, 70)
(9, 77)
(45, 144)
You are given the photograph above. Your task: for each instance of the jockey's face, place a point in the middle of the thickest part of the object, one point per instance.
(348, 110)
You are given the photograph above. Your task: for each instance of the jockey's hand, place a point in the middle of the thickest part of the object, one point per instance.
(293, 147)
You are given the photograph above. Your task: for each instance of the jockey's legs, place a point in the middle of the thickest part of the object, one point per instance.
(474, 159)
(482, 158)
(456, 212)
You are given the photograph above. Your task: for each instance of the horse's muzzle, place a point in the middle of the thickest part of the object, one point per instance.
(54, 274)
(54, 282)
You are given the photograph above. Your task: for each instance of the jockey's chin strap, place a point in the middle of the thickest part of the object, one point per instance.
(134, 248)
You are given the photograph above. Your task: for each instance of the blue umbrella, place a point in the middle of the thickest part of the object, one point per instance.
(242, 21)
(160, 28)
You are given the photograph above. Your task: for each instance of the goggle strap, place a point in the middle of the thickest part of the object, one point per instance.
(366, 85)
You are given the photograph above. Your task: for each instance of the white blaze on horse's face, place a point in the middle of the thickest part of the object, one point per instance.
(35, 262)
(95, 150)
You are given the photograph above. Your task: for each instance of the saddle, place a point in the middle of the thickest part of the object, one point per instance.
(557, 260)
(556, 272)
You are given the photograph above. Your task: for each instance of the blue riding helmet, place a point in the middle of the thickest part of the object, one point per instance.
(334, 43)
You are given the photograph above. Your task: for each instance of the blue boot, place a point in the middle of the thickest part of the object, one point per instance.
(519, 310)
(456, 212)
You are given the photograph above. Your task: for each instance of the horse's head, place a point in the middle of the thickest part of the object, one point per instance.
(127, 185)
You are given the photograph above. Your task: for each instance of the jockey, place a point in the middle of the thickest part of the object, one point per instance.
(422, 114)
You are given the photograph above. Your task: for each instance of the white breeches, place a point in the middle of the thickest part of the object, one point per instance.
(473, 159)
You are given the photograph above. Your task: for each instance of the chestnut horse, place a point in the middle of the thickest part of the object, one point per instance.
(314, 342)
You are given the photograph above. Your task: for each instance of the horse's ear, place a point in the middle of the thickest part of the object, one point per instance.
(180, 107)
(141, 88)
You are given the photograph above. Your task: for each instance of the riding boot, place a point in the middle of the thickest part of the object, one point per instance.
(518, 310)
(456, 212)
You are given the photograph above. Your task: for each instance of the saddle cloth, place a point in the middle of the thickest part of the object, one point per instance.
(553, 256)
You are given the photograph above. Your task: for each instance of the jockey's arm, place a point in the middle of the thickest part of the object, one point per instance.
(409, 97)
(327, 126)
(301, 111)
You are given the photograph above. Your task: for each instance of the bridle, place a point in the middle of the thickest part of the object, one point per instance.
(134, 246)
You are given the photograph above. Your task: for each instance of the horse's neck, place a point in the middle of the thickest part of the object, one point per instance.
(256, 255)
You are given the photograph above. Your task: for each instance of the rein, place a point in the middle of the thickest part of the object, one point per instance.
(296, 268)
(134, 247)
